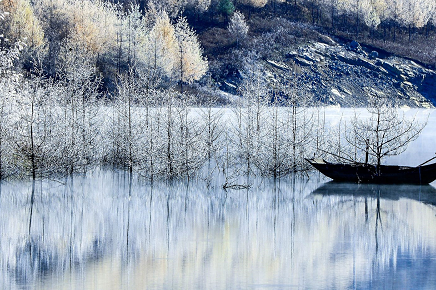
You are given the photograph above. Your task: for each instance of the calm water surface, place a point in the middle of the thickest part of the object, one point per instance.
(296, 234)
(104, 232)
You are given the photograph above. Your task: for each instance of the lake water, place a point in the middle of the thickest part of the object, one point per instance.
(105, 231)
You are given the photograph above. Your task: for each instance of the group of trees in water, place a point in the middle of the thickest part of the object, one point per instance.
(49, 127)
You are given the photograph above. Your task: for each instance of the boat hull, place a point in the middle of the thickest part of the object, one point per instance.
(385, 174)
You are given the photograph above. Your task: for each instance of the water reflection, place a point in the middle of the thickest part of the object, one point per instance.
(422, 193)
(107, 231)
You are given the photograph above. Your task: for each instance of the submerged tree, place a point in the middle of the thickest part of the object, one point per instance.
(81, 81)
(251, 119)
(128, 131)
(386, 132)
(30, 129)
(9, 85)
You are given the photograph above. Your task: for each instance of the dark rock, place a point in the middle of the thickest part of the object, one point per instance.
(391, 68)
(327, 40)
(373, 54)
(365, 63)
(406, 84)
(313, 57)
(355, 46)
(382, 70)
(357, 61)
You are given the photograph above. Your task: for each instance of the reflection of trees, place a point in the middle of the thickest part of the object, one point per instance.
(181, 235)
(393, 215)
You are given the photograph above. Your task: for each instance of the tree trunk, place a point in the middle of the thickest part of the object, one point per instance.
(32, 141)
(129, 107)
(169, 136)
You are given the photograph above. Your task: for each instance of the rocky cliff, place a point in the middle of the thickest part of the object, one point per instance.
(340, 73)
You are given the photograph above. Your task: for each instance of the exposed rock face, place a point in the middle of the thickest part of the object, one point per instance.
(347, 75)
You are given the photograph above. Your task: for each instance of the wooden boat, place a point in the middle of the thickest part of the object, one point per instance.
(366, 173)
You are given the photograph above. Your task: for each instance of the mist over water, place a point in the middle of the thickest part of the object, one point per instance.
(106, 230)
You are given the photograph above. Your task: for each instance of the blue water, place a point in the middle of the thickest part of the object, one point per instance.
(299, 233)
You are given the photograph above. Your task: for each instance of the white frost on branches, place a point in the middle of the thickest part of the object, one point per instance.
(238, 26)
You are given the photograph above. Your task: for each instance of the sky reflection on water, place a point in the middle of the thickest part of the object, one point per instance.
(298, 233)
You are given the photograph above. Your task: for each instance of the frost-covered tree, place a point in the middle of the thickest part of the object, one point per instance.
(299, 125)
(172, 7)
(416, 14)
(81, 80)
(158, 50)
(333, 6)
(370, 14)
(252, 115)
(197, 7)
(395, 10)
(358, 8)
(21, 23)
(133, 30)
(314, 6)
(93, 23)
(190, 64)
(192, 154)
(255, 3)
(9, 88)
(56, 27)
(386, 132)
(30, 130)
(202, 5)
(238, 27)
(171, 51)
(213, 130)
(128, 129)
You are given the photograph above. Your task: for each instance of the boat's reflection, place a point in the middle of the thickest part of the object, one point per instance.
(422, 193)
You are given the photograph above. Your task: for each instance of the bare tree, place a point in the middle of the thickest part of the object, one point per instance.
(9, 86)
(213, 131)
(31, 127)
(81, 80)
(386, 132)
